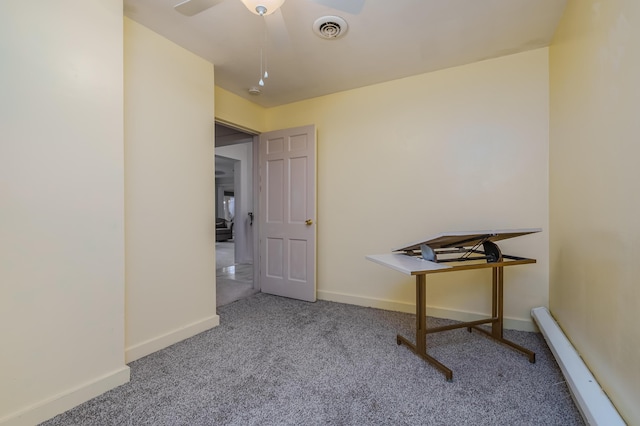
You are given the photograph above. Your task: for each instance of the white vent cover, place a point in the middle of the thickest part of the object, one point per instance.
(330, 27)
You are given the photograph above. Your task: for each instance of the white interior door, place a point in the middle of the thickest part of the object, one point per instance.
(287, 217)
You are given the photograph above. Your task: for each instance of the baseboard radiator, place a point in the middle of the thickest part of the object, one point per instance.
(593, 403)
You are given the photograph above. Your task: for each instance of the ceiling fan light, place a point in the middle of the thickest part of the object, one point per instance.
(256, 6)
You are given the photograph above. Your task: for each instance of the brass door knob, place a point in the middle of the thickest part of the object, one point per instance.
(308, 222)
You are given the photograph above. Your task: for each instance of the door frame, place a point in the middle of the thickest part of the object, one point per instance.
(256, 213)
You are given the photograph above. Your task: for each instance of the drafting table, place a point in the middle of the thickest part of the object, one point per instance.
(449, 252)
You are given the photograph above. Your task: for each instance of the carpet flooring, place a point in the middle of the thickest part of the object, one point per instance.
(277, 361)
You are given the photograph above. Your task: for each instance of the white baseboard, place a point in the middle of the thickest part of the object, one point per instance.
(593, 403)
(64, 401)
(150, 346)
(391, 305)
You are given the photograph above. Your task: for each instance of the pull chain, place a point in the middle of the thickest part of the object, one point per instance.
(264, 74)
(261, 82)
(264, 45)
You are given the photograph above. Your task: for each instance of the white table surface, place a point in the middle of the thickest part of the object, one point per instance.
(406, 264)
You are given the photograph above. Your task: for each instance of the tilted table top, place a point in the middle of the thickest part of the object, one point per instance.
(467, 238)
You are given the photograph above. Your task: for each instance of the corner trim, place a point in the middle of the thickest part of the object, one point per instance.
(592, 402)
(519, 324)
(150, 346)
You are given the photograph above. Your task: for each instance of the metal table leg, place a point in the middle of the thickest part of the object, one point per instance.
(496, 321)
(497, 310)
(420, 348)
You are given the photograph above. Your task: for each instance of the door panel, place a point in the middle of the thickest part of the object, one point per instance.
(288, 200)
(274, 253)
(275, 182)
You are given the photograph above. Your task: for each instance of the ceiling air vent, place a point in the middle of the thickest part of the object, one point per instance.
(330, 27)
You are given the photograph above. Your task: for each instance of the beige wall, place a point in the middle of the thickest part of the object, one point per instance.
(459, 149)
(61, 206)
(594, 174)
(169, 192)
(239, 112)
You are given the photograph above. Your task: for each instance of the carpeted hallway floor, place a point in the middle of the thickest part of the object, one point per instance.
(277, 361)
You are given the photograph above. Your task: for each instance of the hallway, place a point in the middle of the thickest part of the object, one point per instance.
(233, 281)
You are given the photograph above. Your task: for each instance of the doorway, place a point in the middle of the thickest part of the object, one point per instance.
(235, 231)
(275, 225)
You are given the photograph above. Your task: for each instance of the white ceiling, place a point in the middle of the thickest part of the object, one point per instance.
(387, 40)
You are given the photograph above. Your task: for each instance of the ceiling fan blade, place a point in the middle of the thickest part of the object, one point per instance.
(277, 29)
(353, 7)
(192, 7)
